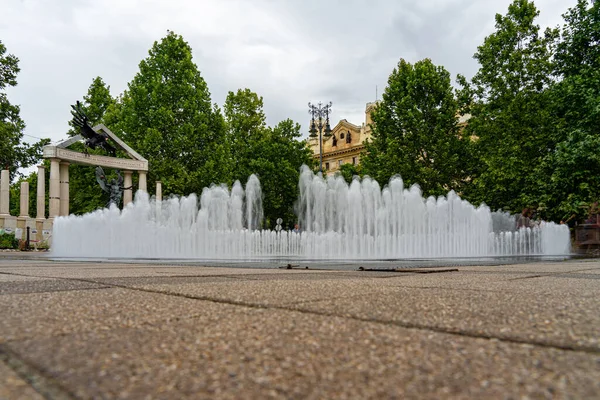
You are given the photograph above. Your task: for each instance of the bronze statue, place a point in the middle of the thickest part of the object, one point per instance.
(114, 188)
(93, 139)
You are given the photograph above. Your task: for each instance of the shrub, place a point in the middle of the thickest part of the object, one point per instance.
(8, 241)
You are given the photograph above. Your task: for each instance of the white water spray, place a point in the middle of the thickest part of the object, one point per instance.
(338, 221)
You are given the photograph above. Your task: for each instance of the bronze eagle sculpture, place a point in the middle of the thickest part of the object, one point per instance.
(92, 138)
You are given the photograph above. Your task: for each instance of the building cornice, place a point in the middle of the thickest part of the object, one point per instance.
(352, 149)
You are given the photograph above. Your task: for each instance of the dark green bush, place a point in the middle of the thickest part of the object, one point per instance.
(8, 241)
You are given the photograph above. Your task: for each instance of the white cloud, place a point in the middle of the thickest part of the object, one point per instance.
(289, 52)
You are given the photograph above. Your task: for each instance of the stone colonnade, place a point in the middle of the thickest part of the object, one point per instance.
(40, 226)
(19, 224)
(59, 187)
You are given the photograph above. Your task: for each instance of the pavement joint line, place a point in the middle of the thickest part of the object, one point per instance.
(543, 275)
(37, 379)
(528, 277)
(406, 325)
(57, 291)
(458, 289)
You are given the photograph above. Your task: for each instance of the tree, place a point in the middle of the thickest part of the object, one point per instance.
(14, 153)
(166, 115)
(276, 158)
(415, 132)
(246, 125)
(512, 118)
(577, 94)
(275, 154)
(85, 193)
(573, 168)
(349, 171)
(574, 177)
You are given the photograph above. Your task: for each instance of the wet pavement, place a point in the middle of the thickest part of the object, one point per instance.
(89, 329)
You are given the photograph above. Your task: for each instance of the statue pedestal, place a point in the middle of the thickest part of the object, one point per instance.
(39, 227)
(47, 231)
(22, 224)
(8, 223)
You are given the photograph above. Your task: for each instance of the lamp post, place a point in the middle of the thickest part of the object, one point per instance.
(319, 113)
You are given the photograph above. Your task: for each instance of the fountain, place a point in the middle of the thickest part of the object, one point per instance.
(359, 221)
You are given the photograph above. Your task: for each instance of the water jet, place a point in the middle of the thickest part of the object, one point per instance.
(339, 221)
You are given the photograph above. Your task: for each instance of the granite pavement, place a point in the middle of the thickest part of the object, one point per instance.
(87, 330)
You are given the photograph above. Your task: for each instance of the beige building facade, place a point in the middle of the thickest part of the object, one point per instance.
(346, 143)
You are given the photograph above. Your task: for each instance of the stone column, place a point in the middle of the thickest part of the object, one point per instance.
(23, 210)
(158, 190)
(24, 204)
(41, 192)
(142, 182)
(4, 192)
(54, 188)
(128, 191)
(64, 188)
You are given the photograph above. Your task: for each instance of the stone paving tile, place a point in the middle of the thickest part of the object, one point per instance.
(238, 352)
(58, 313)
(107, 270)
(558, 321)
(270, 292)
(207, 280)
(588, 271)
(567, 283)
(17, 278)
(13, 387)
(538, 267)
(45, 285)
(536, 311)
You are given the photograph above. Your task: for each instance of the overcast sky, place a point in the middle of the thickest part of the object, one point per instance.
(288, 51)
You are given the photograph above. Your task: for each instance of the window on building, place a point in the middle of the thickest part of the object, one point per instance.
(326, 166)
(353, 160)
(334, 139)
(348, 137)
(340, 162)
(342, 135)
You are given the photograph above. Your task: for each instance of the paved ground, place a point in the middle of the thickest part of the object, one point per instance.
(98, 330)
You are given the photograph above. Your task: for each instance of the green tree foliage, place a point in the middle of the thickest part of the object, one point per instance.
(415, 132)
(574, 167)
(166, 115)
(246, 126)
(85, 193)
(511, 109)
(349, 171)
(277, 158)
(15, 196)
(573, 184)
(275, 154)
(14, 153)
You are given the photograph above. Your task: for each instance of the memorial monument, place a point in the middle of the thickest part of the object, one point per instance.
(60, 156)
(101, 137)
